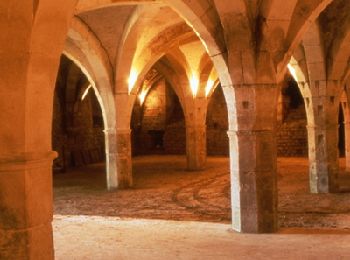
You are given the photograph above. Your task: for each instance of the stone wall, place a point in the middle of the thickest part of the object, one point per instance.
(217, 124)
(161, 118)
(291, 129)
(161, 114)
(158, 125)
(292, 134)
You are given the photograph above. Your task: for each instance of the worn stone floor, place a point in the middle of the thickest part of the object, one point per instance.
(174, 214)
(163, 189)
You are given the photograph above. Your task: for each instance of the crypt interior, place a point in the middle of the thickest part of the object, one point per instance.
(180, 129)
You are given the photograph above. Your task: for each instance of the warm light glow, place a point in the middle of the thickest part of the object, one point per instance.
(293, 72)
(142, 96)
(209, 87)
(132, 79)
(194, 83)
(86, 92)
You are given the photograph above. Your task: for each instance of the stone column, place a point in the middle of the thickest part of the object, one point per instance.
(347, 145)
(111, 158)
(253, 160)
(196, 131)
(196, 147)
(123, 158)
(322, 114)
(323, 157)
(26, 206)
(346, 122)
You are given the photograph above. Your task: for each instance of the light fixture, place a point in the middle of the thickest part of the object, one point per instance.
(209, 87)
(293, 72)
(194, 83)
(142, 96)
(132, 79)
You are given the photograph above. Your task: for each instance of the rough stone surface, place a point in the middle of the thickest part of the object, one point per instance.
(163, 189)
(246, 45)
(292, 135)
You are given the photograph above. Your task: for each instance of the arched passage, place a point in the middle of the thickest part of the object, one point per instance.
(292, 138)
(85, 50)
(158, 122)
(78, 121)
(217, 123)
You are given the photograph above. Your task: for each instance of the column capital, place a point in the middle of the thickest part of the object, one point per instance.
(109, 130)
(121, 93)
(123, 131)
(254, 85)
(196, 126)
(321, 127)
(248, 132)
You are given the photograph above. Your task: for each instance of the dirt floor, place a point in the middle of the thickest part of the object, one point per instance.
(171, 213)
(101, 238)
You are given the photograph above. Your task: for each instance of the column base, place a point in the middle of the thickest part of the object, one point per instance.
(124, 164)
(253, 182)
(124, 172)
(196, 148)
(31, 243)
(323, 179)
(26, 206)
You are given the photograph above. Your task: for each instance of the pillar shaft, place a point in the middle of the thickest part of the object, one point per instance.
(322, 107)
(196, 132)
(111, 161)
(26, 214)
(196, 147)
(323, 158)
(253, 181)
(123, 158)
(253, 160)
(347, 145)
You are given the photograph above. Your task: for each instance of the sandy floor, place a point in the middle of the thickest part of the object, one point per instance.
(91, 223)
(79, 237)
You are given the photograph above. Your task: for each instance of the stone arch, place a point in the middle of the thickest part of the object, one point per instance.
(217, 122)
(340, 67)
(206, 27)
(166, 131)
(86, 52)
(322, 105)
(298, 31)
(148, 62)
(172, 77)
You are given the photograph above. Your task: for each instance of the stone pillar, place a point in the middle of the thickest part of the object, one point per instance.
(253, 160)
(196, 147)
(26, 206)
(346, 122)
(322, 109)
(123, 158)
(347, 145)
(196, 131)
(111, 159)
(280, 109)
(323, 157)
